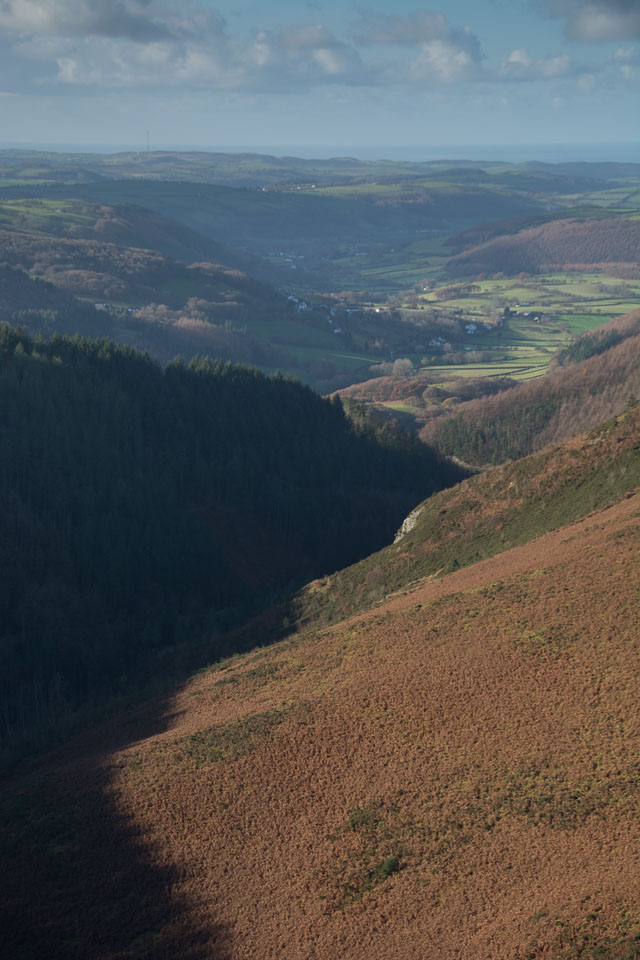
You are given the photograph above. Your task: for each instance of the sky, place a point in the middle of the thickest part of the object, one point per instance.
(320, 76)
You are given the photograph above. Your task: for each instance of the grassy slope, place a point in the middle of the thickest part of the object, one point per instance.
(487, 514)
(453, 774)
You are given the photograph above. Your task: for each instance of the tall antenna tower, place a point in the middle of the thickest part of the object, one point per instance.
(147, 141)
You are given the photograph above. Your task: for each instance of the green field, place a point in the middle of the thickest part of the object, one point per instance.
(55, 217)
(557, 294)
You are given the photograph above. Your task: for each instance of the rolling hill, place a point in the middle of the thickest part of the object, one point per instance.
(125, 225)
(452, 772)
(60, 263)
(556, 245)
(258, 170)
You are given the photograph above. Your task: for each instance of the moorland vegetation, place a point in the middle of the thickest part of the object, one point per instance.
(453, 769)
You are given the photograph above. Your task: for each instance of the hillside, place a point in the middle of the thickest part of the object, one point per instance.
(600, 377)
(143, 509)
(452, 773)
(260, 220)
(485, 515)
(126, 225)
(93, 267)
(57, 267)
(556, 245)
(421, 396)
(22, 295)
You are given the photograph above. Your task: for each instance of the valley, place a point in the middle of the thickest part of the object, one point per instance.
(461, 756)
(368, 255)
(319, 515)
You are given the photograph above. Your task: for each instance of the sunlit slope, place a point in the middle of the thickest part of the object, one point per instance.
(452, 774)
(559, 244)
(487, 514)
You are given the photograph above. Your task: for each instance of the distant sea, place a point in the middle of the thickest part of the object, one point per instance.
(623, 152)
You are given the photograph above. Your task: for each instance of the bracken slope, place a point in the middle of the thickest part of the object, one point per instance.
(452, 774)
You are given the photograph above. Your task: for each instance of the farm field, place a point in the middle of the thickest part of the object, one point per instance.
(546, 313)
(566, 294)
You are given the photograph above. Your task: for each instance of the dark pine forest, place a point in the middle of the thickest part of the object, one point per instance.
(145, 511)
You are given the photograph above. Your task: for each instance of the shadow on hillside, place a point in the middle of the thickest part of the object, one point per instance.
(80, 880)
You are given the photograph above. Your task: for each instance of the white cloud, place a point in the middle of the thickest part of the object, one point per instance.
(596, 21)
(119, 43)
(422, 26)
(439, 60)
(586, 83)
(158, 45)
(445, 53)
(134, 19)
(519, 65)
(626, 60)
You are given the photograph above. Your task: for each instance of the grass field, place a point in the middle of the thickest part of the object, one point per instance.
(50, 216)
(547, 312)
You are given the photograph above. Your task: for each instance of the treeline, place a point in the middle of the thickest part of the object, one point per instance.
(144, 510)
(533, 415)
(588, 345)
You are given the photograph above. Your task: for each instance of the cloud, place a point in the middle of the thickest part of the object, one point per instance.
(307, 55)
(120, 43)
(132, 19)
(626, 60)
(596, 21)
(116, 43)
(586, 83)
(519, 65)
(445, 53)
(158, 45)
(439, 60)
(422, 26)
(285, 60)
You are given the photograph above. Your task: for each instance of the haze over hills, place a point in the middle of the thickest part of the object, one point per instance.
(357, 261)
(254, 169)
(126, 225)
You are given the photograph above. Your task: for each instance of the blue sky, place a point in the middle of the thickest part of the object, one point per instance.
(315, 73)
